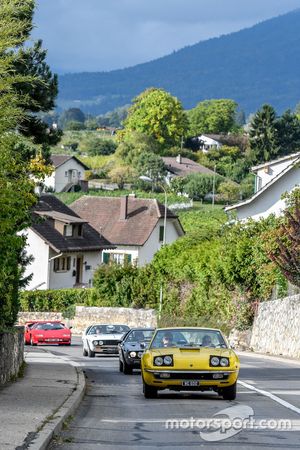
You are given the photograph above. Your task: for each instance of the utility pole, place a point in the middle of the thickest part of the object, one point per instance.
(214, 187)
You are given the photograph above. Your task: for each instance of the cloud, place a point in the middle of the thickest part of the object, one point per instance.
(97, 35)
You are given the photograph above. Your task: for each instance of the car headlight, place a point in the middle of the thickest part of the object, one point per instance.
(168, 360)
(100, 342)
(158, 361)
(132, 354)
(214, 361)
(224, 362)
(140, 354)
(95, 342)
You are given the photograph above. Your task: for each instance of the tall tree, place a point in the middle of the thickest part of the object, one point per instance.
(288, 132)
(264, 142)
(158, 114)
(213, 116)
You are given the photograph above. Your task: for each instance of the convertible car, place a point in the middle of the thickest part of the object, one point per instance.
(102, 339)
(190, 359)
(49, 333)
(132, 348)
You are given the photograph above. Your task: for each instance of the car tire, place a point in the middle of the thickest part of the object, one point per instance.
(127, 369)
(84, 352)
(121, 366)
(149, 391)
(91, 354)
(31, 342)
(229, 393)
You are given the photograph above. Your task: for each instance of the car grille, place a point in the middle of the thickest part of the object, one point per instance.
(190, 376)
(110, 342)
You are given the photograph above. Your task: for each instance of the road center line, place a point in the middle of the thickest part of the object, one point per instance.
(271, 396)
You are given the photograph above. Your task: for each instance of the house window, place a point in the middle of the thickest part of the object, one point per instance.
(79, 174)
(80, 230)
(68, 230)
(119, 258)
(66, 173)
(62, 264)
(161, 233)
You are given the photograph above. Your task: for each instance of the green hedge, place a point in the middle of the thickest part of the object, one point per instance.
(53, 300)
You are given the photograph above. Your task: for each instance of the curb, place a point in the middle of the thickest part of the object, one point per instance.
(54, 426)
(282, 359)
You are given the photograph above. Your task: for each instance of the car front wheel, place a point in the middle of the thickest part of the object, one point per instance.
(127, 369)
(121, 366)
(229, 393)
(149, 391)
(84, 352)
(31, 341)
(91, 354)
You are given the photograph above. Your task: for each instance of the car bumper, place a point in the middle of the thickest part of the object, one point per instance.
(112, 349)
(52, 341)
(133, 362)
(198, 380)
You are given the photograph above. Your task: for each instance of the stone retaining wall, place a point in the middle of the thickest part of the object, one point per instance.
(85, 316)
(276, 328)
(11, 354)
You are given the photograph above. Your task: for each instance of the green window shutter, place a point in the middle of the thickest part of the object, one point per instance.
(128, 258)
(106, 257)
(161, 233)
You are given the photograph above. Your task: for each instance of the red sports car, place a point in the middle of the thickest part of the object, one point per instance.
(50, 333)
(28, 326)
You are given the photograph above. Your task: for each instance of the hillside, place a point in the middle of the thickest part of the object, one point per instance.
(257, 65)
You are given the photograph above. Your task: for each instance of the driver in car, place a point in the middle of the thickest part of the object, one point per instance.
(167, 340)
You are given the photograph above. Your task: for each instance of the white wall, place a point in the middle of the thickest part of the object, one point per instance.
(39, 267)
(266, 174)
(270, 202)
(58, 180)
(153, 244)
(60, 280)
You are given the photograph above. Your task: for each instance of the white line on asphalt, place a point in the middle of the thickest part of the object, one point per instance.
(271, 396)
(281, 359)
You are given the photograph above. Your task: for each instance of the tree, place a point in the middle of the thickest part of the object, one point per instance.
(71, 115)
(264, 142)
(151, 165)
(134, 144)
(212, 116)
(283, 244)
(74, 125)
(229, 191)
(120, 175)
(158, 114)
(199, 185)
(288, 132)
(97, 146)
(16, 186)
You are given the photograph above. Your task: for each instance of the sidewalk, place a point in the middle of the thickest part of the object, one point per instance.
(33, 408)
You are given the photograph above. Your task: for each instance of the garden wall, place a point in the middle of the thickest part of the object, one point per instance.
(11, 354)
(85, 316)
(276, 328)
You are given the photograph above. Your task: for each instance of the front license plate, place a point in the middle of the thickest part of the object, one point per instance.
(190, 383)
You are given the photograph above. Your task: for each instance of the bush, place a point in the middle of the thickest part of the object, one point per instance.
(57, 300)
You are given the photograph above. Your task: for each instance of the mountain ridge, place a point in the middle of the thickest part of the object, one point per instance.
(256, 65)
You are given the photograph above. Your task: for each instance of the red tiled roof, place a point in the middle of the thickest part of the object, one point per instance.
(103, 213)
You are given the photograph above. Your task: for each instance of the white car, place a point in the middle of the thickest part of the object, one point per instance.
(102, 339)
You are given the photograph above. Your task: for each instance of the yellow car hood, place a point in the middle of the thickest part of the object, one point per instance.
(192, 358)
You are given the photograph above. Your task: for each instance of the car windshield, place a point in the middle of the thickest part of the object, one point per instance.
(49, 326)
(188, 338)
(108, 329)
(139, 336)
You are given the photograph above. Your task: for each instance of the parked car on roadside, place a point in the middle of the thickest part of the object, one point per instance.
(132, 348)
(101, 338)
(190, 359)
(50, 332)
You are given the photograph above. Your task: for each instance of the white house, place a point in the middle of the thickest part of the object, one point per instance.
(209, 142)
(272, 180)
(68, 172)
(65, 248)
(134, 226)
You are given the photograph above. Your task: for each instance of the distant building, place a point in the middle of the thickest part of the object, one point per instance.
(134, 226)
(65, 248)
(272, 180)
(181, 167)
(68, 172)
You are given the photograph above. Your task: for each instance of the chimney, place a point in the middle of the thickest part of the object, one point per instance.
(178, 159)
(123, 207)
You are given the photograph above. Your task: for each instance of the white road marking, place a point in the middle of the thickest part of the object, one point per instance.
(271, 396)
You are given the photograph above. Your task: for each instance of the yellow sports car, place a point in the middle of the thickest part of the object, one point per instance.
(190, 359)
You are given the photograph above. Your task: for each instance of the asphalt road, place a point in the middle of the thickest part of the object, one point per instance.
(115, 415)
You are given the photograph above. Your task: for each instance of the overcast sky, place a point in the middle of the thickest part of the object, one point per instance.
(97, 35)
